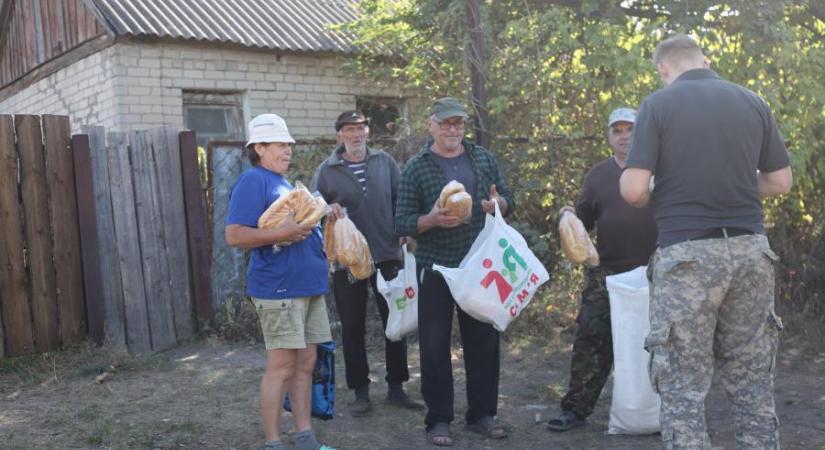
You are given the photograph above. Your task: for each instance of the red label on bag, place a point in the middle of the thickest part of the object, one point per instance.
(511, 262)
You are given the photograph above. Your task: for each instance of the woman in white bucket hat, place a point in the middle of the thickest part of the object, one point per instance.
(287, 286)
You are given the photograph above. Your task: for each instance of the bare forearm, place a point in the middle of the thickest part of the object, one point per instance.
(774, 183)
(425, 223)
(247, 237)
(634, 186)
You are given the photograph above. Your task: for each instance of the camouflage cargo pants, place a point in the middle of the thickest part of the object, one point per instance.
(712, 302)
(592, 356)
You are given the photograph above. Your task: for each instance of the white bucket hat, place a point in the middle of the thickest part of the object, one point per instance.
(267, 128)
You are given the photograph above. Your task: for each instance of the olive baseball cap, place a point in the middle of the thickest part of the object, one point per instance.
(446, 107)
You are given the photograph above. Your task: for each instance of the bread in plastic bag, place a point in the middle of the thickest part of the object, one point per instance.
(308, 208)
(575, 242)
(346, 245)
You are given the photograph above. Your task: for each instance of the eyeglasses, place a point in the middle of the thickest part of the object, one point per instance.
(445, 126)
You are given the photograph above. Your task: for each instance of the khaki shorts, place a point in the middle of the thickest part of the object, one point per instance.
(293, 323)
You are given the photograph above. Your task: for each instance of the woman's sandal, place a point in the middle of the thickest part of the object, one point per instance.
(488, 427)
(439, 435)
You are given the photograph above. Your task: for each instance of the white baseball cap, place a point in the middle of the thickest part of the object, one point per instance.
(622, 115)
(267, 128)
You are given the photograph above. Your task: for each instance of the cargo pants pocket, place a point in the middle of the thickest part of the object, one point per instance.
(659, 363)
(775, 327)
(277, 317)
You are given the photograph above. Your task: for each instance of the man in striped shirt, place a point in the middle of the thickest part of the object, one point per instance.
(365, 182)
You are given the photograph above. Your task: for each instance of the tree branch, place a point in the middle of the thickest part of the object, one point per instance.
(629, 11)
(817, 9)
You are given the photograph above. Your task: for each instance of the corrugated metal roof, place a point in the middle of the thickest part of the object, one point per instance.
(296, 25)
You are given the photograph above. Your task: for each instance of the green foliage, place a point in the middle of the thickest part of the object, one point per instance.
(554, 71)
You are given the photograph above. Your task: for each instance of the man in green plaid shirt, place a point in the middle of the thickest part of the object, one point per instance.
(445, 240)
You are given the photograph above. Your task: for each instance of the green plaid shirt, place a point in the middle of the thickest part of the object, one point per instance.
(421, 182)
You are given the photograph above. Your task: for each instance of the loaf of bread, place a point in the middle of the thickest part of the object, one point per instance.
(308, 208)
(346, 245)
(456, 200)
(449, 189)
(329, 240)
(318, 209)
(459, 205)
(592, 259)
(575, 243)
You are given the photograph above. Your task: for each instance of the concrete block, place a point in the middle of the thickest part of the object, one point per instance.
(149, 63)
(137, 72)
(291, 78)
(213, 75)
(225, 84)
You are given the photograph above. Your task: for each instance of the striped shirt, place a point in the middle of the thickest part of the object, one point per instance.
(359, 169)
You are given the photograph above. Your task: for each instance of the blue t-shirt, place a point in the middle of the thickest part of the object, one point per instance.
(297, 270)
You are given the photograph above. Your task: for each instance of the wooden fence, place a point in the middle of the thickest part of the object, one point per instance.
(130, 206)
(150, 275)
(40, 279)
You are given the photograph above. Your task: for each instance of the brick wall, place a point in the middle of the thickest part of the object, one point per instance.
(139, 85)
(83, 91)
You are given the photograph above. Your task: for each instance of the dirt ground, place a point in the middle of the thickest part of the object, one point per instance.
(204, 395)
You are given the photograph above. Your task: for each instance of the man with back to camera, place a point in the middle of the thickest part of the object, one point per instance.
(715, 150)
(626, 239)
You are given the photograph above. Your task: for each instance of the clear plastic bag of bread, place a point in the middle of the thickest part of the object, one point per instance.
(575, 243)
(345, 245)
(309, 209)
(455, 199)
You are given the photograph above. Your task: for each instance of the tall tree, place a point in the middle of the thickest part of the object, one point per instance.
(553, 69)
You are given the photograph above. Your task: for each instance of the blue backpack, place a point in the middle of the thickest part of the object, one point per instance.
(323, 383)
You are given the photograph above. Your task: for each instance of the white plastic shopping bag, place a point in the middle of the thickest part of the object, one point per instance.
(499, 275)
(635, 407)
(401, 295)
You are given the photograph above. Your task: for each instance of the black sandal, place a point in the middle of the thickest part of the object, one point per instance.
(487, 427)
(439, 435)
(566, 421)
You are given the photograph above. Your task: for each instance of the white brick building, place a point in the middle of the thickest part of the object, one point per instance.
(137, 74)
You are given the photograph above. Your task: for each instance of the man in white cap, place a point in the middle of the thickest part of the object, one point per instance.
(627, 238)
(287, 286)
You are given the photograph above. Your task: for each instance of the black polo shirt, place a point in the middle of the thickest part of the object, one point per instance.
(626, 235)
(704, 138)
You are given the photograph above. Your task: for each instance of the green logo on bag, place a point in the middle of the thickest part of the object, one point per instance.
(510, 259)
(401, 303)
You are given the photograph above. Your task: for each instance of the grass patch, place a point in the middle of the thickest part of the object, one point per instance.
(167, 434)
(89, 413)
(101, 434)
(83, 361)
